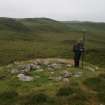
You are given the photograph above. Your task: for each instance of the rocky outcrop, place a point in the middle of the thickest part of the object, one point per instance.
(40, 65)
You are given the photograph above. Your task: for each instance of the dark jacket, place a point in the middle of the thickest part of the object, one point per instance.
(78, 49)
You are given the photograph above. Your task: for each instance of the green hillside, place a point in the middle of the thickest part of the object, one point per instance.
(89, 26)
(10, 29)
(12, 24)
(44, 24)
(29, 38)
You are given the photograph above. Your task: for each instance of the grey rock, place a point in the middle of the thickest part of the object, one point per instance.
(28, 68)
(33, 66)
(23, 77)
(66, 74)
(55, 66)
(46, 62)
(35, 62)
(39, 61)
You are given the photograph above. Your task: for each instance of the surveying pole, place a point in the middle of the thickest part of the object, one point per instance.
(84, 42)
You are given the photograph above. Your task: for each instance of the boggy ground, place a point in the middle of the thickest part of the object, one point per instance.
(54, 82)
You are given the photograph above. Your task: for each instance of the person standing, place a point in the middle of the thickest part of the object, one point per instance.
(78, 50)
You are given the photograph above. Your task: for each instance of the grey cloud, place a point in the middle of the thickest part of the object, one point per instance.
(90, 10)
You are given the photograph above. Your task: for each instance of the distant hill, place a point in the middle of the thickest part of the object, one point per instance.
(48, 25)
(12, 24)
(45, 25)
(88, 26)
(29, 28)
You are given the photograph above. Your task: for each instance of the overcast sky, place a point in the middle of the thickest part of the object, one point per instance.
(84, 10)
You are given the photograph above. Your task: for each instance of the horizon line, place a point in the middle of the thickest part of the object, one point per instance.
(72, 20)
